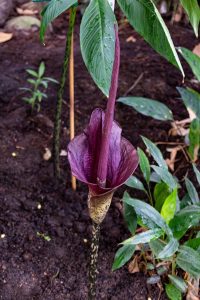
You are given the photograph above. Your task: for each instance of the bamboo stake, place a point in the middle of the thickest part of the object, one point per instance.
(71, 96)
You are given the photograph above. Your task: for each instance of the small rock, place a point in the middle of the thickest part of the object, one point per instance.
(22, 23)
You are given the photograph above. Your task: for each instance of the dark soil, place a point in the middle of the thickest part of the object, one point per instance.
(31, 202)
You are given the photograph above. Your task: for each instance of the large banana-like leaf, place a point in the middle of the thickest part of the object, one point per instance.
(147, 21)
(193, 10)
(97, 38)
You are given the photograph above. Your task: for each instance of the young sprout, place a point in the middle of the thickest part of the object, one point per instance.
(39, 86)
(44, 236)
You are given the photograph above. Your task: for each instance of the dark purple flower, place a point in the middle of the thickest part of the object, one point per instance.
(84, 151)
(100, 156)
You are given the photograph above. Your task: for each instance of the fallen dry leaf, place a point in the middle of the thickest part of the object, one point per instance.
(193, 289)
(131, 39)
(47, 154)
(4, 37)
(173, 153)
(133, 266)
(178, 128)
(178, 14)
(191, 114)
(196, 50)
(196, 153)
(63, 153)
(163, 263)
(26, 12)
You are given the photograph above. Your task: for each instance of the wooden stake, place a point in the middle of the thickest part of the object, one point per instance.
(71, 96)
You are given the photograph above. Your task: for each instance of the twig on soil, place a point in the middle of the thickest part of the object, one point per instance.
(169, 143)
(54, 276)
(134, 85)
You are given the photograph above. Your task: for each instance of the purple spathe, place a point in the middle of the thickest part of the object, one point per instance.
(84, 151)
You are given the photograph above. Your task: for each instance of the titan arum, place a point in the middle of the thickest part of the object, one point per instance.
(104, 160)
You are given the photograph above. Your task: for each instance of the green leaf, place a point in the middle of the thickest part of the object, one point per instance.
(33, 82)
(157, 246)
(149, 216)
(28, 100)
(191, 100)
(144, 237)
(155, 177)
(41, 69)
(135, 183)
(148, 107)
(169, 249)
(169, 207)
(185, 201)
(179, 283)
(197, 173)
(189, 260)
(130, 217)
(122, 256)
(161, 192)
(166, 176)
(155, 152)
(193, 10)
(172, 292)
(144, 164)
(97, 38)
(147, 21)
(51, 11)
(25, 89)
(194, 139)
(191, 191)
(150, 267)
(44, 83)
(192, 59)
(32, 72)
(185, 219)
(51, 79)
(193, 243)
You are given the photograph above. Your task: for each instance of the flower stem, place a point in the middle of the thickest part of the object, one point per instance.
(93, 261)
(57, 125)
(109, 117)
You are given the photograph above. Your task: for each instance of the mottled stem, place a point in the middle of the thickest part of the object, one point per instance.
(93, 261)
(57, 125)
(109, 117)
